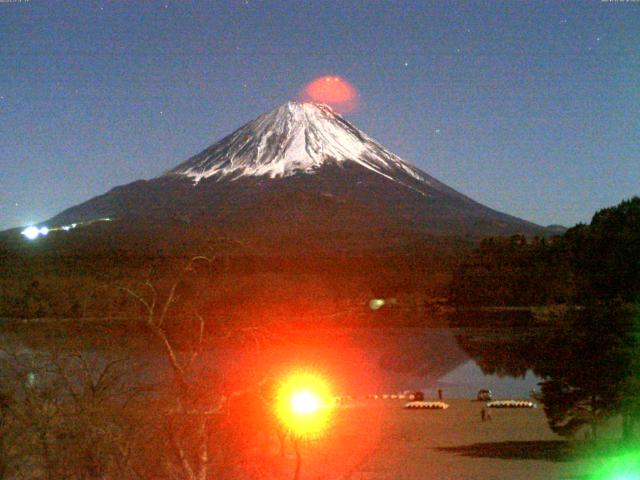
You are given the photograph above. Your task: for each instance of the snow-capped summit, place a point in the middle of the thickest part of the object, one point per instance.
(294, 138)
(299, 171)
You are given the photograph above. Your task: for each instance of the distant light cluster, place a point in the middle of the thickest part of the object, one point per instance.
(32, 232)
(378, 303)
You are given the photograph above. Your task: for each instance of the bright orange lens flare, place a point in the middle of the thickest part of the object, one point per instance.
(303, 404)
(333, 91)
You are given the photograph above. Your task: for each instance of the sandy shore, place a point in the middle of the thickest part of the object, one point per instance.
(379, 440)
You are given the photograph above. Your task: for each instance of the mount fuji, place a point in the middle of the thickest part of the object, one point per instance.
(300, 172)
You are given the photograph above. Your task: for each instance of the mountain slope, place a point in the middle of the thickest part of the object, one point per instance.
(295, 138)
(300, 171)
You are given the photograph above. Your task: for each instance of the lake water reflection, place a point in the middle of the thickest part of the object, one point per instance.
(507, 353)
(363, 360)
(468, 378)
(368, 360)
(430, 359)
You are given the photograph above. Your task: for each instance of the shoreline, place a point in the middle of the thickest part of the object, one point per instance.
(449, 444)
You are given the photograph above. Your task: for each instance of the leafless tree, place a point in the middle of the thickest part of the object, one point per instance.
(80, 413)
(196, 413)
(64, 414)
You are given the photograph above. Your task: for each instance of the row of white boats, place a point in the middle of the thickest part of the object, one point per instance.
(416, 401)
(418, 405)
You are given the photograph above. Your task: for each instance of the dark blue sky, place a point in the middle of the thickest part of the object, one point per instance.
(532, 108)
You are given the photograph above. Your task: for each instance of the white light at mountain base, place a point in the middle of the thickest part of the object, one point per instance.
(31, 232)
(34, 232)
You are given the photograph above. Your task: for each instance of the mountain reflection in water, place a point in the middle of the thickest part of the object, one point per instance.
(468, 378)
(583, 364)
(363, 360)
(587, 358)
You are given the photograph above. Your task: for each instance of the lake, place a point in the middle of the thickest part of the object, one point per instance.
(360, 361)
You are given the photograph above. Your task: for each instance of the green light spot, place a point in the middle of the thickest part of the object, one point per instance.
(625, 466)
(376, 303)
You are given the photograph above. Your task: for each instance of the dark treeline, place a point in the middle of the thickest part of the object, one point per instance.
(73, 276)
(64, 276)
(599, 261)
(589, 360)
(589, 355)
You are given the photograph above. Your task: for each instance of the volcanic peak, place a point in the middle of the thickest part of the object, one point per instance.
(294, 138)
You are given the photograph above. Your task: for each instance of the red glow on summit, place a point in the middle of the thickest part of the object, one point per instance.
(334, 91)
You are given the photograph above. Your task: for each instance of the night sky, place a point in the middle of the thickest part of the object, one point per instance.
(532, 108)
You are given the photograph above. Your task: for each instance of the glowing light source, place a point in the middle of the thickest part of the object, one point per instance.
(376, 303)
(624, 466)
(304, 404)
(34, 232)
(334, 91)
(31, 232)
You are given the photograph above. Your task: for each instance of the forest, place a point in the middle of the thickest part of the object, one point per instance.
(588, 354)
(596, 262)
